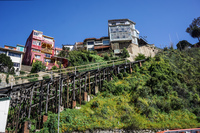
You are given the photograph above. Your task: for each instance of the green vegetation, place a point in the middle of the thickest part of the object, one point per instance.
(6, 65)
(181, 45)
(37, 66)
(22, 72)
(163, 93)
(54, 68)
(46, 76)
(82, 57)
(125, 53)
(140, 57)
(194, 28)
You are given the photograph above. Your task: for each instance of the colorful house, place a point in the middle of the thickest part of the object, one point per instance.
(41, 47)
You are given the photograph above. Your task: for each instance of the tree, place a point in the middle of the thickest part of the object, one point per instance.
(194, 28)
(181, 45)
(125, 53)
(37, 66)
(6, 64)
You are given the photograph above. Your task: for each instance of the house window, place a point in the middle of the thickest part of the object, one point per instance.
(90, 49)
(2, 52)
(38, 43)
(48, 55)
(35, 50)
(35, 33)
(14, 54)
(16, 64)
(37, 56)
(90, 43)
(106, 41)
(47, 60)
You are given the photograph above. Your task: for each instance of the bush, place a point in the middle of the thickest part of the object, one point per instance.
(140, 57)
(54, 68)
(46, 76)
(125, 53)
(125, 74)
(33, 79)
(95, 104)
(120, 76)
(106, 57)
(37, 66)
(22, 72)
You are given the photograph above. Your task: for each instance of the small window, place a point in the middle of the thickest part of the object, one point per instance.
(47, 60)
(113, 23)
(2, 52)
(90, 43)
(38, 43)
(16, 64)
(14, 54)
(106, 41)
(37, 56)
(35, 50)
(35, 33)
(48, 55)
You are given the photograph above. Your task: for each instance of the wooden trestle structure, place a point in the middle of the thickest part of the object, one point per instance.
(34, 99)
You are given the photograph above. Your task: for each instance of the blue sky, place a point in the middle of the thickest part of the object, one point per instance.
(70, 21)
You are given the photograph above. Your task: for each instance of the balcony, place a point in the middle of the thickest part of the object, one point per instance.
(46, 50)
(48, 41)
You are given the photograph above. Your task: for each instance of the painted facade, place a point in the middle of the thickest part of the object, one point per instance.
(40, 47)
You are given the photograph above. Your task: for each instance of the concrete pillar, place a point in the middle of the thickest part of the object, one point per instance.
(73, 104)
(85, 96)
(96, 89)
(25, 129)
(44, 118)
(140, 64)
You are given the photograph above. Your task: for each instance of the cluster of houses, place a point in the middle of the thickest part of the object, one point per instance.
(121, 33)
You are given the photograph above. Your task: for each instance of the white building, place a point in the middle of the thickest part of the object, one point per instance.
(69, 46)
(123, 30)
(15, 55)
(122, 33)
(97, 44)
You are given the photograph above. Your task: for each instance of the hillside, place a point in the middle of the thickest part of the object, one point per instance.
(163, 93)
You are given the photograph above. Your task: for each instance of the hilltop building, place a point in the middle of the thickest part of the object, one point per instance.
(79, 46)
(41, 47)
(15, 53)
(122, 33)
(69, 46)
(99, 44)
(57, 51)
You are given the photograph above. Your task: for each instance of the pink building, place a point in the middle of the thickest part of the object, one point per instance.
(41, 47)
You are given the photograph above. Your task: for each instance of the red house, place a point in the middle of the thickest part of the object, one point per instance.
(41, 47)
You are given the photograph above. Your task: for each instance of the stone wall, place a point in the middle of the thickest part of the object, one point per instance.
(147, 50)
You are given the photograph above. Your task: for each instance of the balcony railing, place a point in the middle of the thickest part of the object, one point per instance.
(46, 50)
